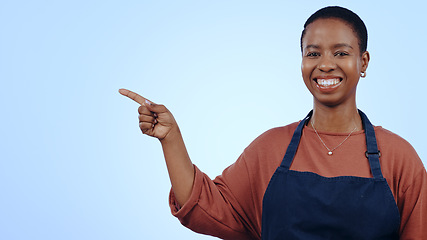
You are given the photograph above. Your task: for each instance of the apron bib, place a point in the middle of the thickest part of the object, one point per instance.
(305, 205)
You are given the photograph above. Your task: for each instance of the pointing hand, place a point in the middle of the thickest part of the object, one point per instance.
(154, 120)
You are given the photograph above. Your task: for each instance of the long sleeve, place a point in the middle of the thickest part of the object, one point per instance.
(219, 207)
(230, 206)
(407, 178)
(413, 204)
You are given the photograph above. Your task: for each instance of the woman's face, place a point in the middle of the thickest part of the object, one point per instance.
(331, 62)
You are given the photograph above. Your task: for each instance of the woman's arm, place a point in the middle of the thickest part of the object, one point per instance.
(157, 121)
(221, 208)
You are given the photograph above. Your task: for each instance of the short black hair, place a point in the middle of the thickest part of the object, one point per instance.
(347, 16)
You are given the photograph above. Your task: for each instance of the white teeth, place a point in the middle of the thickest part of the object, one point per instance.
(328, 82)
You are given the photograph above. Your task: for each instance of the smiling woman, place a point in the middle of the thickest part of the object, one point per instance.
(339, 178)
(331, 66)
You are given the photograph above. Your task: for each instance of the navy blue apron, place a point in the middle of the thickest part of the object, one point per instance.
(305, 205)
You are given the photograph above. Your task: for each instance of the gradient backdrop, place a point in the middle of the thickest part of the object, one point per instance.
(73, 163)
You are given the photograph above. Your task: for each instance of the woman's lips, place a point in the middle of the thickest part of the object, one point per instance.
(327, 84)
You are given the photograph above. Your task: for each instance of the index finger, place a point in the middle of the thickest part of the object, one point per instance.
(132, 95)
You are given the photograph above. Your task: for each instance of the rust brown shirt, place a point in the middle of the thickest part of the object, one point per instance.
(230, 206)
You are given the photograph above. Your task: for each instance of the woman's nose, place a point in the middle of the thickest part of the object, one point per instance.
(326, 64)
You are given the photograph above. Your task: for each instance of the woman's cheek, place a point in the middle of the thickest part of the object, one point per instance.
(306, 70)
(303, 69)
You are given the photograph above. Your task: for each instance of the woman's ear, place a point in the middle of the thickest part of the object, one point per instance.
(365, 61)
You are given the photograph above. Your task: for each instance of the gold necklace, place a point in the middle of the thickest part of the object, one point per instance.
(329, 150)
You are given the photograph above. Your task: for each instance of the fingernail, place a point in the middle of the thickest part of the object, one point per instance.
(147, 102)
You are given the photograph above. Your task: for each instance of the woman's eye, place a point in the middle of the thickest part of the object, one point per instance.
(341, 54)
(313, 54)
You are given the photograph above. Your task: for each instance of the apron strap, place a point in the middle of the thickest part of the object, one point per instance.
(373, 154)
(293, 145)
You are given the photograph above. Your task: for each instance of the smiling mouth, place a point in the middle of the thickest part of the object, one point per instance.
(328, 83)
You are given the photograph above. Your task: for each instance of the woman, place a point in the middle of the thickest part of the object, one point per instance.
(330, 176)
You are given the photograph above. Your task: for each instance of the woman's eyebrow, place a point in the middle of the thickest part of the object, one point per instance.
(342, 45)
(312, 46)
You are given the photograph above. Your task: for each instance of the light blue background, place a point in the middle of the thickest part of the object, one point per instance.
(73, 163)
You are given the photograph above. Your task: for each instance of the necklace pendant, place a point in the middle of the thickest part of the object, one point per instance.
(329, 153)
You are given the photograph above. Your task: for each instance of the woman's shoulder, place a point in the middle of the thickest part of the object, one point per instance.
(392, 140)
(276, 137)
(278, 133)
(397, 154)
(265, 153)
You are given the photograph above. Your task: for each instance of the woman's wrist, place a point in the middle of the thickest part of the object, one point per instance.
(173, 136)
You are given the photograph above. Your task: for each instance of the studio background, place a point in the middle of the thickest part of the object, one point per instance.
(73, 162)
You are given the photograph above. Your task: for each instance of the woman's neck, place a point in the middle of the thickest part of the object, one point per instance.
(338, 119)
